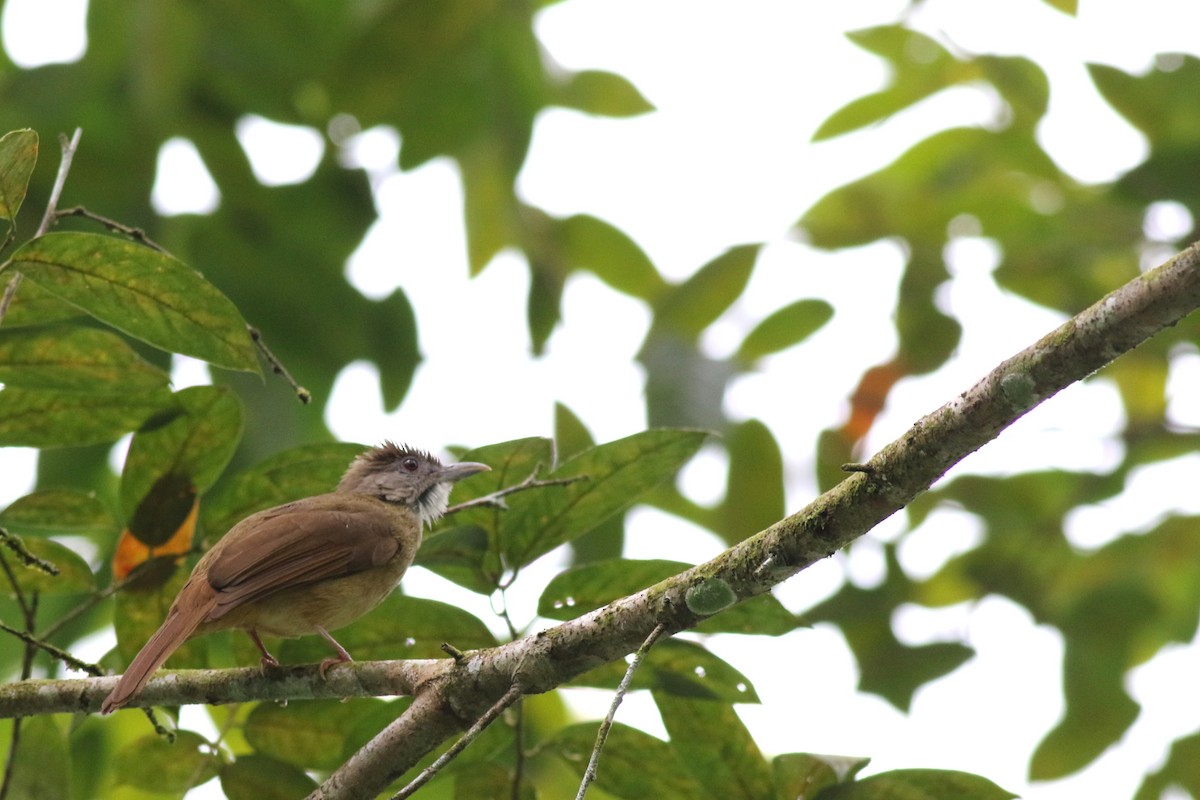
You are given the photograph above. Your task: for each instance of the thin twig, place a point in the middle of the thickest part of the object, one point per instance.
(10, 291)
(453, 652)
(64, 166)
(60, 180)
(29, 613)
(16, 587)
(101, 595)
(496, 498)
(589, 774)
(27, 558)
(62, 655)
(302, 394)
(518, 709)
(509, 697)
(136, 234)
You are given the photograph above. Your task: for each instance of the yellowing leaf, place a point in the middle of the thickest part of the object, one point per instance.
(18, 156)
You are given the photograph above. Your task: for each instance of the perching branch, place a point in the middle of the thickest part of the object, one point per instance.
(242, 684)
(451, 694)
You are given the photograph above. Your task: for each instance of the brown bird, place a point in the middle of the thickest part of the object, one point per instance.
(307, 567)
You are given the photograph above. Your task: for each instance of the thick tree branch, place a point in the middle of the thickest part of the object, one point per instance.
(898, 473)
(452, 694)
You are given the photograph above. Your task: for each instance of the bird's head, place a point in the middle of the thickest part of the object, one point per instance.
(397, 473)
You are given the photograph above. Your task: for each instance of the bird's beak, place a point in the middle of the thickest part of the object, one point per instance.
(464, 469)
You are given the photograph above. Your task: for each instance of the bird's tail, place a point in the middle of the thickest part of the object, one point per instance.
(176, 628)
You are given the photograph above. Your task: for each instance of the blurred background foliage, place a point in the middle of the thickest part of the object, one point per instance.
(467, 80)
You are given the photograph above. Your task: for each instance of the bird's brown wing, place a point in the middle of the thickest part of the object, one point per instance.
(311, 540)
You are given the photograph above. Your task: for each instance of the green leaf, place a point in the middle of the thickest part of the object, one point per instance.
(601, 93)
(33, 305)
(920, 67)
(74, 575)
(577, 591)
(153, 764)
(607, 539)
(618, 473)
(286, 476)
(468, 552)
(179, 456)
(757, 616)
(754, 497)
(571, 436)
(593, 244)
(462, 555)
(309, 734)
(71, 359)
(400, 627)
(1099, 635)
(43, 769)
(484, 779)
(716, 747)
(1070, 7)
(678, 667)
(1179, 771)
(147, 294)
(634, 765)
(804, 775)
(37, 418)
(1022, 84)
(887, 666)
(511, 463)
(918, 784)
(18, 156)
(785, 328)
(690, 307)
(259, 777)
(54, 512)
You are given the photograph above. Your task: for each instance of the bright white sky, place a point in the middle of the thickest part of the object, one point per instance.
(726, 159)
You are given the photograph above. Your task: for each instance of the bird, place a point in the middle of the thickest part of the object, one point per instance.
(309, 566)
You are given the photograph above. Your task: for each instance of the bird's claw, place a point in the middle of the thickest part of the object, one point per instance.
(330, 662)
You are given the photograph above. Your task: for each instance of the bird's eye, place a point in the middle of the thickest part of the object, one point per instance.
(410, 464)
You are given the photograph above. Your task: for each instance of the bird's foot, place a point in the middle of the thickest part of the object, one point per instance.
(332, 661)
(341, 658)
(268, 661)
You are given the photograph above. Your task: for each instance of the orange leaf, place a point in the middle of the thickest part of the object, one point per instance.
(869, 398)
(131, 552)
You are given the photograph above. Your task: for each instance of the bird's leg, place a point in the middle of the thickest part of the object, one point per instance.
(268, 660)
(342, 655)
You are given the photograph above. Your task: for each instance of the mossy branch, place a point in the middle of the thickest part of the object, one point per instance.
(450, 695)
